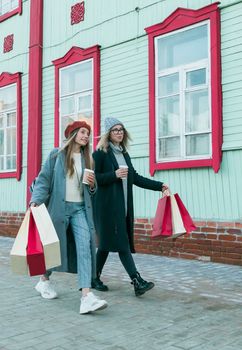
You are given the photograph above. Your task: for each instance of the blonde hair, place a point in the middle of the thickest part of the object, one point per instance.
(68, 149)
(103, 143)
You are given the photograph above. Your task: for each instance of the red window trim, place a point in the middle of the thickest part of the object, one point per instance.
(16, 11)
(5, 80)
(181, 18)
(75, 55)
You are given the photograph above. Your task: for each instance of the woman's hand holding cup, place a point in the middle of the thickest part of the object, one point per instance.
(122, 172)
(88, 178)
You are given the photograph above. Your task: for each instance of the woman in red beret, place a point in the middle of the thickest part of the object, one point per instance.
(59, 185)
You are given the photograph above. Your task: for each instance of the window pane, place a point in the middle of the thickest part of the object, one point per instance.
(197, 111)
(85, 115)
(6, 6)
(169, 116)
(168, 85)
(1, 163)
(13, 162)
(84, 102)
(10, 163)
(11, 119)
(1, 121)
(67, 106)
(11, 141)
(169, 147)
(198, 145)
(8, 97)
(1, 142)
(15, 3)
(76, 78)
(183, 47)
(196, 77)
(64, 122)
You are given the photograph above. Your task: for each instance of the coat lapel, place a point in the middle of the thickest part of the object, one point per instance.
(113, 159)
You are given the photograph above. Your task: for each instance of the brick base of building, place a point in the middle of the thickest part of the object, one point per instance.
(10, 223)
(212, 241)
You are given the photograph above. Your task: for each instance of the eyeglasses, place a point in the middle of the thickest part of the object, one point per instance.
(117, 131)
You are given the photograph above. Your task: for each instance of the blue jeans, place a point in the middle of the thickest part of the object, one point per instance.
(75, 216)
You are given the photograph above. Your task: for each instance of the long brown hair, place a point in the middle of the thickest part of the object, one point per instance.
(68, 149)
(105, 138)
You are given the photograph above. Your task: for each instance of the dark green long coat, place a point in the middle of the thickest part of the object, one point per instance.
(115, 230)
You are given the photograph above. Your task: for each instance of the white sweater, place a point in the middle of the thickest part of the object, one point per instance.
(74, 190)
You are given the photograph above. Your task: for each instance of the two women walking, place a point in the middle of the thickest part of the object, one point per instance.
(71, 205)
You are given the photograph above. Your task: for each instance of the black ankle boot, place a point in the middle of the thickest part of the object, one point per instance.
(98, 285)
(141, 286)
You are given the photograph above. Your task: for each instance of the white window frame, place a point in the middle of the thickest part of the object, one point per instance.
(5, 113)
(76, 95)
(182, 70)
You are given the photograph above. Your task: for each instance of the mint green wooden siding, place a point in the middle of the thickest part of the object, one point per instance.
(231, 38)
(13, 192)
(48, 111)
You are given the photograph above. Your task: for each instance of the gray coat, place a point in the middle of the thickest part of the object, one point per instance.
(50, 188)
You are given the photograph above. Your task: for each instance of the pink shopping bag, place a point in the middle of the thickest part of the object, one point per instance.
(163, 223)
(186, 218)
(35, 252)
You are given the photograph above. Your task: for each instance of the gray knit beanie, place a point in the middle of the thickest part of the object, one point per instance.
(109, 122)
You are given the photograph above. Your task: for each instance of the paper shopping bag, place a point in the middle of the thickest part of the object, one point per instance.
(178, 228)
(163, 223)
(48, 236)
(35, 252)
(186, 218)
(18, 254)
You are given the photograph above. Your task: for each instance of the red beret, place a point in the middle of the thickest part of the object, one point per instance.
(76, 125)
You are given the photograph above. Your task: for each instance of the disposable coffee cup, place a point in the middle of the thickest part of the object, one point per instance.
(85, 175)
(124, 167)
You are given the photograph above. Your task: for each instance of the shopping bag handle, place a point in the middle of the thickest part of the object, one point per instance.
(167, 192)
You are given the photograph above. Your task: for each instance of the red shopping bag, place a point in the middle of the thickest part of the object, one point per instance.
(163, 223)
(186, 218)
(35, 252)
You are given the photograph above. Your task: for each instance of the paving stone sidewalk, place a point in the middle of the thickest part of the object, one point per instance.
(195, 305)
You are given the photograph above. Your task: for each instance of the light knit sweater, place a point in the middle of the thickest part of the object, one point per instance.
(74, 190)
(118, 153)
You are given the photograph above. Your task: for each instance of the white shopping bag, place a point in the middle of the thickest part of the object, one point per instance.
(48, 236)
(18, 254)
(178, 228)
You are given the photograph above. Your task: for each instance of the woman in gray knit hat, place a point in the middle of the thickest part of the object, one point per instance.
(113, 203)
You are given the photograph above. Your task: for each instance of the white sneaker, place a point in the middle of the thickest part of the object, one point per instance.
(45, 289)
(91, 302)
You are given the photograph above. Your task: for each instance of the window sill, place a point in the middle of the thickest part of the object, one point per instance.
(184, 164)
(9, 174)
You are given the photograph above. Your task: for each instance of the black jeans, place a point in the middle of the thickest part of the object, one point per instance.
(125, 258)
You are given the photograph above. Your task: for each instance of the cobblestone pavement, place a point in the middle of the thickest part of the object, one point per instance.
(195, 305)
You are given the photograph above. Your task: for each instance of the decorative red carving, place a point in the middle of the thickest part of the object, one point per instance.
(8, 43)
(77, 12)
